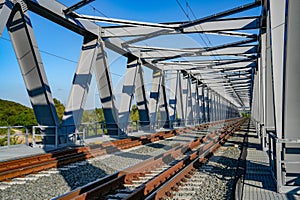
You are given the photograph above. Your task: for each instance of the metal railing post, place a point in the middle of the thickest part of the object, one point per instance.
(83, 134)
(56, 137)
(8, 136)
(26, 136)
(33, 136)
(278, 165)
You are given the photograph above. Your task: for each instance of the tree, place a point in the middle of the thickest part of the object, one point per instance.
(60, 108)
(15, 114)
(134, 114)
(100, 114)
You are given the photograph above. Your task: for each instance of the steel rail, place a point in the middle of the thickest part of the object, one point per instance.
(172, 185)
(101, 188)
(27, 165)
(23, 166)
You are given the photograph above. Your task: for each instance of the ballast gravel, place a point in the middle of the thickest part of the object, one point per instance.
(217, 173)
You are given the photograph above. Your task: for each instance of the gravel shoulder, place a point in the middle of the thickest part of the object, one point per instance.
(216, 178)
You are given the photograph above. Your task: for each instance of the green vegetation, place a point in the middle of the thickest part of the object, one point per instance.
(96, 115)
(244, 114)
(134, 114)
(13, 140)
(60, 108)
(15, 114)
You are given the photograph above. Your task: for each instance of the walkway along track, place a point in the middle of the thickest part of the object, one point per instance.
(155, 177)
(20, 167)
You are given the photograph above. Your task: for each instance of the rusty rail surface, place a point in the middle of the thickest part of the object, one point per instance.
(172, 184)
(152, 188)
(27, 165)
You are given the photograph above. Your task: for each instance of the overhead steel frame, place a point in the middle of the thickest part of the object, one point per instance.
(194, 96)
(276, 99)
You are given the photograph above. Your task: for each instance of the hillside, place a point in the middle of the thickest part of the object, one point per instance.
(15, 114)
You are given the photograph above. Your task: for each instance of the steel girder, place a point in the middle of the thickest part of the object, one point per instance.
(128, 92)
(27, 52)
(5, 11)
(80, 86)
(105, 89)
(275, 104)
(133, 83)
(175, 99)
(93, 55)
(214, 26)
(158, 101)
(153, 53)
(141, 98)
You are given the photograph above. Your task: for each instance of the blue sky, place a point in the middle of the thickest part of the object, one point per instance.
(54, 41)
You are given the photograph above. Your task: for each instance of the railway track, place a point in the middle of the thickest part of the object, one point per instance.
(158, 177)
(21, 167)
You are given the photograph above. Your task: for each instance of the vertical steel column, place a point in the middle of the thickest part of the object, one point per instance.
(211, 105)
(128, 91)
(277, 14)
(291, 95)
(201, 103)
(215, 99)
(163, 103)
(184, 99)
(278, 26)
(27, 52)
(105, 90)
(218, 112)
(158, 98)
(269, 98)
(262, 83)
(173, 96)
(203, 109)
(221, 108)
(80, 86)
(141, 98)
(5, 10)
(154, 97)
(195, 104)
(255, 105)
(208, 104)
(227, 110)
(213, 108)
(179, 100)
(189, 107)
(198, 102)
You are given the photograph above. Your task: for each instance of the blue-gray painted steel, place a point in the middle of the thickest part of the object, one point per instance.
(128, 91)
(27, 52)
(80, 85)
(105, 89)
(141, 98)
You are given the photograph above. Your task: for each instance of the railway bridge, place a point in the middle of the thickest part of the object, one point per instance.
(255, 74)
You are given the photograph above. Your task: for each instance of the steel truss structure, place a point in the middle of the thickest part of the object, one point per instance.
(276, 100)
(190, 85)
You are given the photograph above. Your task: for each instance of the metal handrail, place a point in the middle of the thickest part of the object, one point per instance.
(275, 158)
(17, 134)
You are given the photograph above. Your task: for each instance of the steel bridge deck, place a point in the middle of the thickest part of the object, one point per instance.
(259, 183)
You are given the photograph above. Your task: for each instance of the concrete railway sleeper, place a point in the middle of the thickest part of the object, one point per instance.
(154, 177)
(20, 167)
